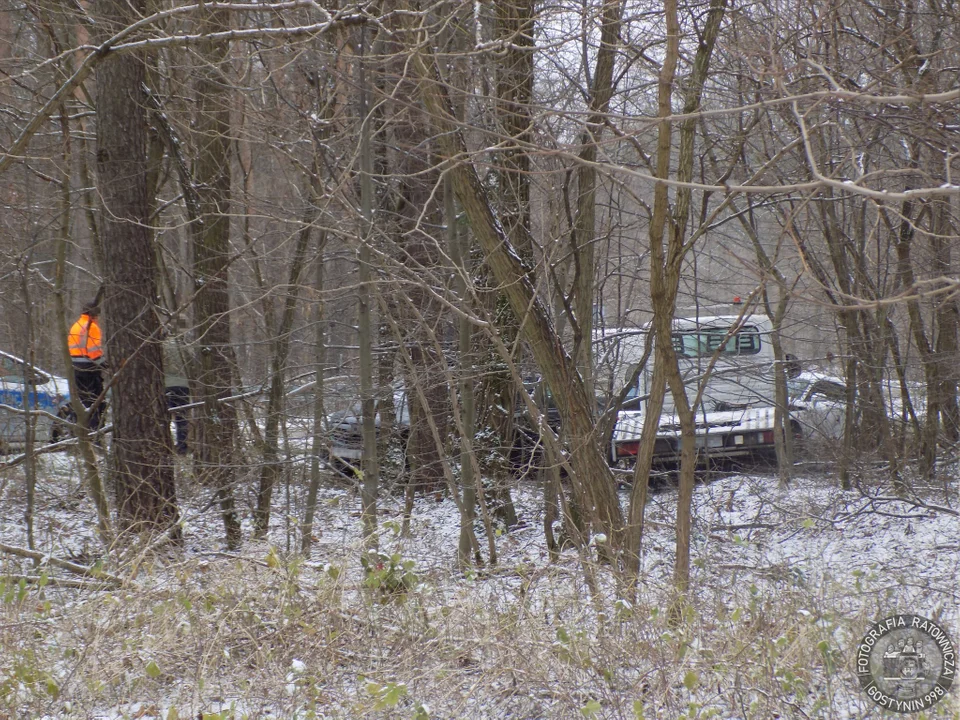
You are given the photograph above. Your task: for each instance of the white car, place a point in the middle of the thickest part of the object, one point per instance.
(818, 405)
(47, 392)
(346, 431)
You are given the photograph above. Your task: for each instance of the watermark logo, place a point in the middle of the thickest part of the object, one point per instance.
(906, 663)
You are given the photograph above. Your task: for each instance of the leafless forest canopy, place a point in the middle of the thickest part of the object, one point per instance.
(383, 179)
(420, 216)
(453, 197)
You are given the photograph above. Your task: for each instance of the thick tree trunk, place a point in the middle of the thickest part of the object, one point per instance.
(515, 28)
(513, 70)
(146, 496)
(413, 203)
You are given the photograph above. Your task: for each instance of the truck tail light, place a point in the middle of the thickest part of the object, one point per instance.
(628, 449)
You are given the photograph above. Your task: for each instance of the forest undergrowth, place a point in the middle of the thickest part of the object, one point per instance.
(785, 583)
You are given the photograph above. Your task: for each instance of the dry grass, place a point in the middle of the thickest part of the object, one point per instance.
(198, 632)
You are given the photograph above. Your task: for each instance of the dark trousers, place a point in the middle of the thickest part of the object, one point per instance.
(89, 388)
(178, 396)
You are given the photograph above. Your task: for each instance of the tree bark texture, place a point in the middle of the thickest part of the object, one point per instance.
(146, 495)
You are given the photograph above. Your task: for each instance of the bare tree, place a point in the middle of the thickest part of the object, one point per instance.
(146, 496)
(593, 478)
(666, 261)
(370, 463)
(211, 251)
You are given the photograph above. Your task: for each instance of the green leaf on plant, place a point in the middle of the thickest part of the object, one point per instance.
(591, 709)
(273, 560)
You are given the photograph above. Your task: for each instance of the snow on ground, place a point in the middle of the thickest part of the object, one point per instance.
(784, 583)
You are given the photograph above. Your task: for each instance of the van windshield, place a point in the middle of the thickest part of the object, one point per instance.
(706, 341)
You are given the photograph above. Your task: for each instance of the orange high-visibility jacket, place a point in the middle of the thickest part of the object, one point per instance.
(84, 339)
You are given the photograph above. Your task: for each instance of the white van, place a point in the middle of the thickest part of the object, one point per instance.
(736, 413)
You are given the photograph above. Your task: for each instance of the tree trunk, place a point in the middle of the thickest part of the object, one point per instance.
(947, 319)
(146, 496)
(217, 425)
(29, 401)
(370, 464)
(783, 434)
(467, 375)
(89, 469)
(589, 463)
(271, 435)
(582, 235)
(931, 422)
(665, 269)
(319, 413)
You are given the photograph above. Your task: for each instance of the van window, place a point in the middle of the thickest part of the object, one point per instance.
(705, 342)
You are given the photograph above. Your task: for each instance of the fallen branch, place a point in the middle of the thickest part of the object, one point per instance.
(917, 502)
(56, 582)
(746, 526)
(62, 564)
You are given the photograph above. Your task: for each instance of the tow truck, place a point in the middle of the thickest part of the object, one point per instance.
(735, 417)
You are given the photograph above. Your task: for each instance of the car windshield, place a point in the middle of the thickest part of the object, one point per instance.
(707, 341)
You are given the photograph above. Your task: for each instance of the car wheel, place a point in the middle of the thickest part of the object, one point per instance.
(59, 430)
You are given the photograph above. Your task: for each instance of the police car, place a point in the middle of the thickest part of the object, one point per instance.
(46, 392)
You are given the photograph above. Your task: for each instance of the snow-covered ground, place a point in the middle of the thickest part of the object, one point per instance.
(784, 585)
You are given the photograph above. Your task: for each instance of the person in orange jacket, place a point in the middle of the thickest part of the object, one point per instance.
(86, 354)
